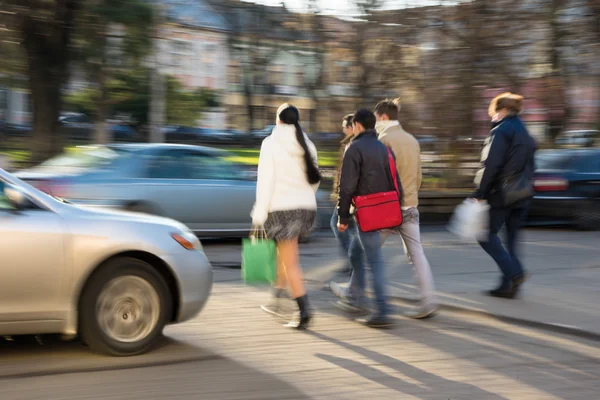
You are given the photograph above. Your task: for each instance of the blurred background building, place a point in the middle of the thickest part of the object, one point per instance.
(228, 65)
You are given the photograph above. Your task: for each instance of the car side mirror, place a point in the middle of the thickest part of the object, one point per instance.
(16, 197)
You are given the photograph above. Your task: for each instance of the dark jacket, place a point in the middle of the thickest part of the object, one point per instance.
(511, 153)
(336, 179)
(365, 170)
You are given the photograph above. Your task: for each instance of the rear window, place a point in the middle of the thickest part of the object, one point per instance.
(553, 161)
(85, 158)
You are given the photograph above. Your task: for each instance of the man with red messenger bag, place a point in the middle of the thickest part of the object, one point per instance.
(369, 182)
(408, 164)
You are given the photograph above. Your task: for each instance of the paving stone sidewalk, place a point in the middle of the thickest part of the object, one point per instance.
(449, 357)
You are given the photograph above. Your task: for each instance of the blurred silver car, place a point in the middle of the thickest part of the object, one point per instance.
(113, 278)
(195, 185)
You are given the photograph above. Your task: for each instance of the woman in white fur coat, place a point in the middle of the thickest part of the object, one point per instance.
(286, 205)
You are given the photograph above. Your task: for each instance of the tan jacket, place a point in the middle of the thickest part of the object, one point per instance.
(408, 161)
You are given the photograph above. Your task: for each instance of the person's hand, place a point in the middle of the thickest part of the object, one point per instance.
(342, 227)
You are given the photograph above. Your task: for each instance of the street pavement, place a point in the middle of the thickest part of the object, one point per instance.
(234, 351)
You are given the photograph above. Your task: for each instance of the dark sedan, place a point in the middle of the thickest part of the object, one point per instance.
(567, 188)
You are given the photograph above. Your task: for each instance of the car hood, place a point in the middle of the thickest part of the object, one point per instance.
(125, 216)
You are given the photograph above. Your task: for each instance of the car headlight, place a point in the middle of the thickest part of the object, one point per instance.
(187, 240)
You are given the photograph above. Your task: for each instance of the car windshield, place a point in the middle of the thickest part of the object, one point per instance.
(85, 158)
(553, 160)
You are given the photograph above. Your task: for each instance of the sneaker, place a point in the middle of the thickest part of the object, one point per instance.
(422, 313)
(338, 290)
(273, 307)
(377, 321)
(352, 307)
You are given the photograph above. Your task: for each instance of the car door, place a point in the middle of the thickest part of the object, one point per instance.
(589, 176)
(32, 269)
(221, 197)
(164, 188)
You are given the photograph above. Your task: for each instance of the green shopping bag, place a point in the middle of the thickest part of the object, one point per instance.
(259, 259)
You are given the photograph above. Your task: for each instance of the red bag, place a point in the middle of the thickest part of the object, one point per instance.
(379, 210)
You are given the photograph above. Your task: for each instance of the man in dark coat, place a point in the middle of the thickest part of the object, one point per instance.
(506, 183)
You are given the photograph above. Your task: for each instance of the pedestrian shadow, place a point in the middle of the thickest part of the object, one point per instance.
(525, 355)
(428, 384)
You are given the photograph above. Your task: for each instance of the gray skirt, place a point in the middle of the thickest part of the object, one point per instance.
(290, 224)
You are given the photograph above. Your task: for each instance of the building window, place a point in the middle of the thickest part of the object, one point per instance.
(209, 57)
(235, 74)
(342, 71)
(180, 50)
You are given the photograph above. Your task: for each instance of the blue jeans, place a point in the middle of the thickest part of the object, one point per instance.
(371, 243)
(506, 258)
(351, 249)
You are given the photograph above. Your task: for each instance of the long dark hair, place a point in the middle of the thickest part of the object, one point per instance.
(291, 116)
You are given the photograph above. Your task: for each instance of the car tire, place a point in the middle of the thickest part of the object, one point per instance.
(124, 308)
(587, 216)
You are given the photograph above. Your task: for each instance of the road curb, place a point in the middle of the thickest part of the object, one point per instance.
(557, 328)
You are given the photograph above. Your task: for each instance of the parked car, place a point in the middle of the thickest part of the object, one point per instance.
(114, 279)
(567, 187)
(582, 138)
(78, 126)
(186, 134)
(16, 129)
(263, 133)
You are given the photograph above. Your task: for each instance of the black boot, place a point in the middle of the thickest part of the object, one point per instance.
(305, 314)
(504, 290)
(509, 288)
(517, 281)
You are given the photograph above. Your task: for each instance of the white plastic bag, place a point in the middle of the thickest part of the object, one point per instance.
(471, 221)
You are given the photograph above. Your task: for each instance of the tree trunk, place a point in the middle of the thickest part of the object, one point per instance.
(102, 135)
(45, 93)
(157, 107)
(45, 83)
(249, 107)
(47, 46)
(558, 75)
(157, 89)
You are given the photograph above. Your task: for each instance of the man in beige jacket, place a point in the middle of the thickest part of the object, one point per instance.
(408, 161)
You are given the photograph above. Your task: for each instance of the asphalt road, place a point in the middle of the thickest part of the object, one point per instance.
(233, 351)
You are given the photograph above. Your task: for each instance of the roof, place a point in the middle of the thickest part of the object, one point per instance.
(193, 13)
(269, 22)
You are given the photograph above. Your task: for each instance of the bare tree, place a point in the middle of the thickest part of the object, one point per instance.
(44, 29)
(247, 46)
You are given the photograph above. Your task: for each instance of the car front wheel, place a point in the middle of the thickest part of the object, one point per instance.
(124, 308)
